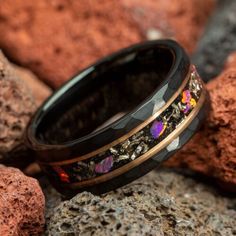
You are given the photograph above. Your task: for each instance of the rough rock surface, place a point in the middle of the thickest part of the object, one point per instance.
(17, 106)
(213, 150)
(40, 91)
(165, 18)
(161, 203)
(21, 204)
(218, 41)
(57, 38)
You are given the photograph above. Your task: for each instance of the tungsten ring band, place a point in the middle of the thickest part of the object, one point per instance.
(119, 118)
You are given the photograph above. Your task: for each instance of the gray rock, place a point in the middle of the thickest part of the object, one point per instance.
(161, 203)
(218, 41)
(52, 197)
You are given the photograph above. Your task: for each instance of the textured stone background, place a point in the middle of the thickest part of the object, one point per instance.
(85, 31)
(22, 204)
(17, 106)
(161, 203)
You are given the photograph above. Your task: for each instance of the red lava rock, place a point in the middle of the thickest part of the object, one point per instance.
(213, 150)
(17, 106)
(21, 204)
(182, 20)
(57, 38)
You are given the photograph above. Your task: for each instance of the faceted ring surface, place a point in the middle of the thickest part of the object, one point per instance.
(119, 118)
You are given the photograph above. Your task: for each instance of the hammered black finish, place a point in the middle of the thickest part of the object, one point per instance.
(70, 93)
(137, 144)
(137, 81)
(146, 166)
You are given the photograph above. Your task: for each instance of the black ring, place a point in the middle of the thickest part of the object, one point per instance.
(139, 80)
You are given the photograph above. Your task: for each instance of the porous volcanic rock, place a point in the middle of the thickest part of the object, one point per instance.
(218, 41)
(57, 38)
(21, 204)
(161, 203)
(181, 20)
(40, 91)
(17, 106)
(212, 151)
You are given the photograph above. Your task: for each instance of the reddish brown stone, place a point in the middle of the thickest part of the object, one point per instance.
(40, 91)
(213, 150)
(22, 204)
(182, 20)
(17, 106)
(57, 38)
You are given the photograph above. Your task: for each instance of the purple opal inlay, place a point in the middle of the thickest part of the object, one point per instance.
(187, 108)
(104, 166)
(186, 96)
(157, 129)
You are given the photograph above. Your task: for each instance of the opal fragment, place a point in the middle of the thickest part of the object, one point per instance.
(193, 102)
(104, 166)
(186, 96)
(157, 129)
(64, 177)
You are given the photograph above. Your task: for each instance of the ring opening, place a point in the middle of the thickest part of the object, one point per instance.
(116, 86)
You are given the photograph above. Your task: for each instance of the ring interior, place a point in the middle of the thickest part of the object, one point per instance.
(115, 86)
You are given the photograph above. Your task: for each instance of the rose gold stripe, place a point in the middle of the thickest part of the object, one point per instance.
(148, 154)
(123, 138)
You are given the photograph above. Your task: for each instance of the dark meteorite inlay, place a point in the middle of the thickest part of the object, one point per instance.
(136, 145)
